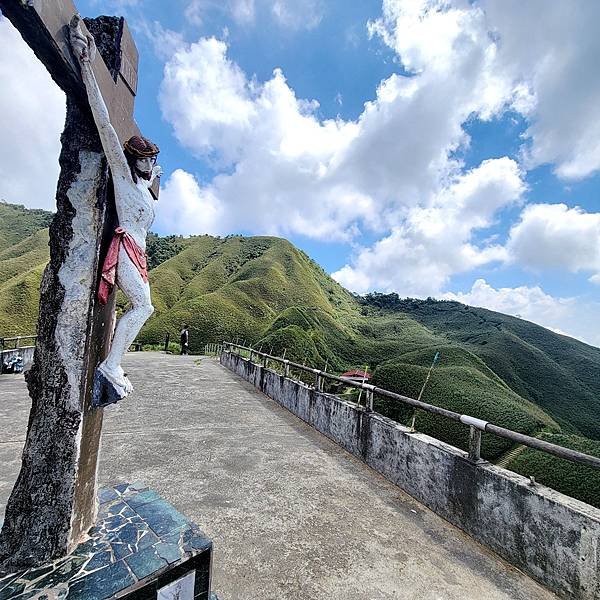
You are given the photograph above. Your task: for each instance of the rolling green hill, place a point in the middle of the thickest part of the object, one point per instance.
(235, 288)
(23, 255)
(18, 223)
(265, 292)
(462, 383)
(555, 372)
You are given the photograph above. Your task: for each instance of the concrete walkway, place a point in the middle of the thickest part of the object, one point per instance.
(292, 515)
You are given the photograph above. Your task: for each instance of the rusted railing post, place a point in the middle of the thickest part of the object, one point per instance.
(474, 444)
(476, 426)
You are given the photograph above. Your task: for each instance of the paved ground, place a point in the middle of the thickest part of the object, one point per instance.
(292, 515)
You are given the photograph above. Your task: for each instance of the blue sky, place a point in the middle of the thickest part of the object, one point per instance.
(425, 147)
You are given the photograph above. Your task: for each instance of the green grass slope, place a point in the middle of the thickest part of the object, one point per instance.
(23, 255)
(234, 288)
(462, 383)
(18, 223)
(555, 372)
(21, 268)
(27, 254)
(19, 301)
(578, 481)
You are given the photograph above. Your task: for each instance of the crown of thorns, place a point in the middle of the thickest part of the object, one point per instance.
(140, 147)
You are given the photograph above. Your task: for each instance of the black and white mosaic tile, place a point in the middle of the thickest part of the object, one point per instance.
(137, 537)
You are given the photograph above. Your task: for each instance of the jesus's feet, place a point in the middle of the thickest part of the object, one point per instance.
(117, 377)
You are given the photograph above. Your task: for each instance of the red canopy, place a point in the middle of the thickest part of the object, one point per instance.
(356, 373)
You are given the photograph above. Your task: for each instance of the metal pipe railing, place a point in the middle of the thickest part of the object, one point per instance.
(210, 349)
(476, 425)
(17, 342)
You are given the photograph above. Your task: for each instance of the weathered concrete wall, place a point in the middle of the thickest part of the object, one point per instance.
(26, 353)
(554, 538)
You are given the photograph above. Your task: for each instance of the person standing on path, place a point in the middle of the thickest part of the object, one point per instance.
(184, 339)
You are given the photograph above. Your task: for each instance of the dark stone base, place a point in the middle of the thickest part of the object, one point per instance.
(139, 545)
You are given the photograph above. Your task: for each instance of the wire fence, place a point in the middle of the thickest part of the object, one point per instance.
(316, 378)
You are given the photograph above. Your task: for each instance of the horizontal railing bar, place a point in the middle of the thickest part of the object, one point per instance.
(17, 339)
(520, 438)
(550, 448)
(19, 348)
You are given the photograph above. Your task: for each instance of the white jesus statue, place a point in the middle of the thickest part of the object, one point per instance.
(133, 168)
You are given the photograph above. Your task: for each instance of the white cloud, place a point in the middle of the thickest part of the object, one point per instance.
(298, 14)
(181, 190)
(435, 241)
(459, 41)
(207, 99)
(530, 303)
(291, 14)
(539, 55)
(333, 178)
(424, 32)
(283, 161)
(554, 236)
(328, 178)
(33, 115)
(165, 42)
(242, 11)
(575, 317)
(116, 6)
(552, 49)
(441, 39)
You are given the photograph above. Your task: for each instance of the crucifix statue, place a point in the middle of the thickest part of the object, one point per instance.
(97, 238)
(133, 171)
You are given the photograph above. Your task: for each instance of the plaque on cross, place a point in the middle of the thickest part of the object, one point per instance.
(53, 503)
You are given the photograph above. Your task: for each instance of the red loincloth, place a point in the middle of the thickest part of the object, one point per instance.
(109, 268)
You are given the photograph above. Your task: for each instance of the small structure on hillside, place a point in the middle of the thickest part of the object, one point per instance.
(357, 375)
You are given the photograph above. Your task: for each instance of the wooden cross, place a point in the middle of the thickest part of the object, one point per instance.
(53, 503)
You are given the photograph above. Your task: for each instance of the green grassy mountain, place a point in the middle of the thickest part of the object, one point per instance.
(18, 223)
(557, 373)
(23, 256)
(267, 293)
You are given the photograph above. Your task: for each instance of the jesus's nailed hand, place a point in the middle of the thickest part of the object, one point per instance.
(81, 40)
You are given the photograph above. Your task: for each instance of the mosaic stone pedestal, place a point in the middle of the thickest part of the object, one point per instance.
(141, 548)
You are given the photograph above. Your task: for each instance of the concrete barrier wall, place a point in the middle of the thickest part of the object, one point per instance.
(554, 538)
(26, 352)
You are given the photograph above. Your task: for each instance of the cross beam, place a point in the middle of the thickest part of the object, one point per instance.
(44, 26)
